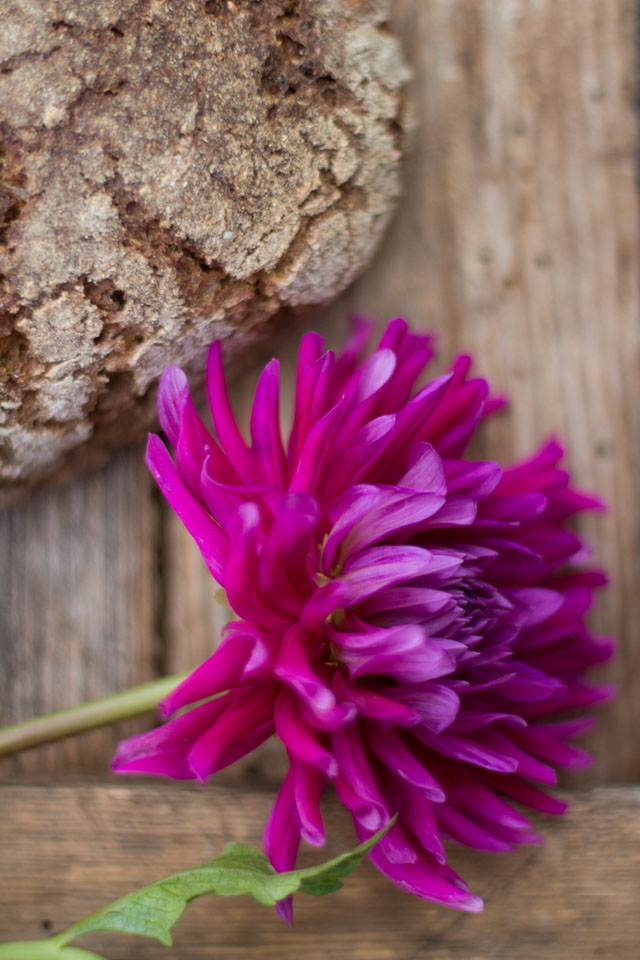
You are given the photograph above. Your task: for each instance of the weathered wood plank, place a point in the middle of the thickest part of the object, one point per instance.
(77, 605)
(68, 849)
(516, 240)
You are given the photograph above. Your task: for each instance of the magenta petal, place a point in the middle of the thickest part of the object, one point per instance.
(231, 439)
(426, 471)
(308, 787)
(403, 652)
(282, 839)
(172, 393)
(313, 399)
(427, 879)
(294, 668)
(465, 830)
(207, 534)
(246, 723)
(369, 572)
(165, 750)
(372, 704)
(241, 653)
(265, 427)
(468, 751)
(396, 755)
(299, 737)
(437, 704)
(357, 784)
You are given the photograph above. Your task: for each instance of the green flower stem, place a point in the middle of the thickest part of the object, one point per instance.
(43, 950)
(86, 716)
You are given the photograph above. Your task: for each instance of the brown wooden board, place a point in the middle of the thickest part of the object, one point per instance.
(67, 850)
(516, 240)
(77, 604)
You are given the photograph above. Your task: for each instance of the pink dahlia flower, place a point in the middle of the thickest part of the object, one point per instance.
(407, 623)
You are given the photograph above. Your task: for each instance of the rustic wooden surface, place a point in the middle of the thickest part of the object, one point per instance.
(517, 240)
(69, 849)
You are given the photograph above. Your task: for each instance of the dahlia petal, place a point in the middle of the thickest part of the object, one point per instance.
(403, 652)
(397, 846)
(374, 374)
(527, 765)
(527, 683)
(312, 400)
(408, 427)
(476, 478)
(299, 737)
(394, 513)
(546, 457)
(308, 787)
(565, 503)
(369, 572)
(417, 814)
(211, 540)
(241, 654)
(309, 473)
(282, 838)
(391, 749)
(461, 828)
(455, 512)
(467, 751)
(438, 705)
(364, 395)
(418, 600)
(467, 790)
(469, 720)
(241, 573)
(223, 499)
(172, 393)
(534, 605)
(356, 461)
(372, 704)
(427, 879)
(266, 440)
(232, 441)
(576, 696)
(246, 723)
(294, 668)
(357, 784)
(283, 570)
(425, 471)
(518, 506)
(450, 425)
(564, 660)
(546, 745)
(413, 353)
(358, 501)
(165, 750)
(525, 793)
(195, 446)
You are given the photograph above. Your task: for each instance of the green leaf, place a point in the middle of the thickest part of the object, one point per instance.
(152, 911)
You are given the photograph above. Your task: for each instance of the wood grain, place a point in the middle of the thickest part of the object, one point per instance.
(517, 240)
(69, 849)
(77, 605)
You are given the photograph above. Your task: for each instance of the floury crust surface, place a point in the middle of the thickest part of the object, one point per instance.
(174, 172)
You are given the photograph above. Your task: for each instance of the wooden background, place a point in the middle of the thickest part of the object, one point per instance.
(517, 241)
